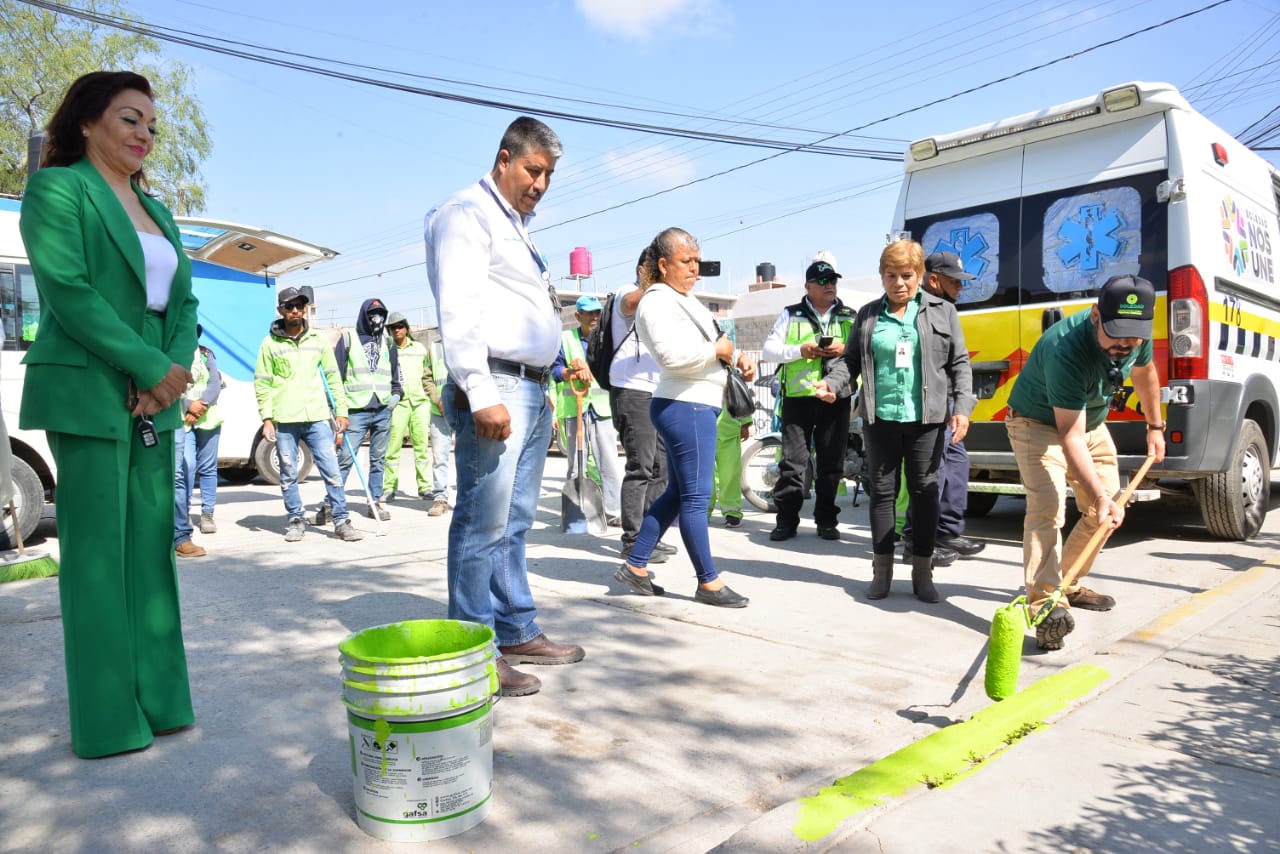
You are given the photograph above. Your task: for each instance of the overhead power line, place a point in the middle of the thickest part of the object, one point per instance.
(247, 51)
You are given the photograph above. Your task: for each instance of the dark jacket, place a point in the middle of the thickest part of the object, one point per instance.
(945, 379)
(372, 348)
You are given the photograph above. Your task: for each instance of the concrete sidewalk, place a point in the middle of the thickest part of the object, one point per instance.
(687, 727)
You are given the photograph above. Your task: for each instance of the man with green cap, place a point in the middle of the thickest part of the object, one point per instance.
(412, 415)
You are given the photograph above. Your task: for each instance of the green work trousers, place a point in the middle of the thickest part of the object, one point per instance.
(413, 419)
(118, 586)
(726, 489)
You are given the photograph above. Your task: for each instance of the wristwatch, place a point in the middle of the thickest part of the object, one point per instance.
(1159, 427)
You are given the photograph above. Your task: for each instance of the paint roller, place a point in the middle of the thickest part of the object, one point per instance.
(1010, 623)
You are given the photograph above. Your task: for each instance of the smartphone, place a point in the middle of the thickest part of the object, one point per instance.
(824, 342)
(708, 268)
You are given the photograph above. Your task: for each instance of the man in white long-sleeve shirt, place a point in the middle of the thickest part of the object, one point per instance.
(500, 325)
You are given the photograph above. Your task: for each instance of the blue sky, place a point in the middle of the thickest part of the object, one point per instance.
(354, 167)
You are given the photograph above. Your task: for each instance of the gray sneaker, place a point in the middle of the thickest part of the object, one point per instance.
(207, 525)
(378, 510)
(293, 533)
(323, 515)
(1054, 628)
(438, 508)
(347, 532)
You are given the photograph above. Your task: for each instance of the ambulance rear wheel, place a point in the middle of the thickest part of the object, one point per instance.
(28, 500)
(980, 504)
(1234, 502)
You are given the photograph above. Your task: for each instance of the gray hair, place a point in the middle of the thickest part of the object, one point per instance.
(527, 135)
(663, 246)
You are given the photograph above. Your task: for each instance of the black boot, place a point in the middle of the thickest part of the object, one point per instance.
(881, 576)
(922, 579)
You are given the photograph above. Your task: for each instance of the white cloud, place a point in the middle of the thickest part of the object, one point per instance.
(653, 165)
(636, 19)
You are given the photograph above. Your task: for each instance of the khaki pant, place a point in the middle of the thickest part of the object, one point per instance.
(1043, 466)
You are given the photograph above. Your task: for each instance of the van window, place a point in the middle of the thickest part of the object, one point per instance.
(1069, 241)
(19, 306)
(981, 236)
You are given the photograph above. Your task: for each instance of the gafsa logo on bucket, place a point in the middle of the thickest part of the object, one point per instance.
(423, 811)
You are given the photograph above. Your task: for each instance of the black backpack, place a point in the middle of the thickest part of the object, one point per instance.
(600, 347)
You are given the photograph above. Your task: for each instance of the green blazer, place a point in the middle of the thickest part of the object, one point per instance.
(90, 274)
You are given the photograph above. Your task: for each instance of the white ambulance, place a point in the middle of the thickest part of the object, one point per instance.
(1047, 206)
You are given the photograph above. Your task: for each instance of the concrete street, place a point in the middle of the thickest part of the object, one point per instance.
(689, 728)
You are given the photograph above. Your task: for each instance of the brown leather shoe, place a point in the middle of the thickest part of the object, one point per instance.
(1090, 600)
(541, 650)
(188, 549)
(513, 683)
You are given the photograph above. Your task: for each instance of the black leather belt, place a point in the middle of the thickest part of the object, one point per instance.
(541, 376)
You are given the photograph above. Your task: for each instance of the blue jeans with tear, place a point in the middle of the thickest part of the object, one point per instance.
(320, 439)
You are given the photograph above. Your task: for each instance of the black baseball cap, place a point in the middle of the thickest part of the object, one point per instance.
(947, 264)
(286, 295)
(820, 270)
(1127, 306)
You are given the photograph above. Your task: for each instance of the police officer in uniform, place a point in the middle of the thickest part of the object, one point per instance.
(805, 340)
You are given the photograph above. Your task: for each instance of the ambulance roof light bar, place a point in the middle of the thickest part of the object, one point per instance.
(1112, 101)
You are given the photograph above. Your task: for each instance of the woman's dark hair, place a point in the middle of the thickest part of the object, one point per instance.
(86, 100)
(663, 246)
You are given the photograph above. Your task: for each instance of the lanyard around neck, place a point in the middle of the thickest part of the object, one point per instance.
(528, 242)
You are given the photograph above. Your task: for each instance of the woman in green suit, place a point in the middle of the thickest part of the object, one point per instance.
(117, 328)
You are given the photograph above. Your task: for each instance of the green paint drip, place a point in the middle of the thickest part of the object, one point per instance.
(946, 756)
(382, 732)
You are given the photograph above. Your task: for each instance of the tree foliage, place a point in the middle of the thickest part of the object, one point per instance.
(41, 53)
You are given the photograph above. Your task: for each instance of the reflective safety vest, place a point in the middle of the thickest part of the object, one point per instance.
(212, 418)
(413, 362)
(361, 383)
(439, 373)
(574, 347)
(799, 378)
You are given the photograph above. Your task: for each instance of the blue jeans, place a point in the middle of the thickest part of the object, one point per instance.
(441, 437)
(498, 488)
(377, 423)
(195, 457)
(688, 430)
(320, 439)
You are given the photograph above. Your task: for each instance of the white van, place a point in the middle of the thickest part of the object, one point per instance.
(1047, 206)
(233, 275)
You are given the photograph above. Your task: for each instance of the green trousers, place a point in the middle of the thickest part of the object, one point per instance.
(118, 586)
(414, 420)
(726, 488)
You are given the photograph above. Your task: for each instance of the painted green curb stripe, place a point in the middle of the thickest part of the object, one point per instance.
(946, 756)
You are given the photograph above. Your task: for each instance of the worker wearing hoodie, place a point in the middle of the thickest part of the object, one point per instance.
(370, 369)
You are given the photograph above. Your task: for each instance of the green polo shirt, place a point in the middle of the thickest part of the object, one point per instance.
(1068, 370)
(898, 392)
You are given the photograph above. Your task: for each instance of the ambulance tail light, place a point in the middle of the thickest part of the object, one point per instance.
(1188, 325)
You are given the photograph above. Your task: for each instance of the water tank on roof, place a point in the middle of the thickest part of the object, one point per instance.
(580, 262)
(765, 272)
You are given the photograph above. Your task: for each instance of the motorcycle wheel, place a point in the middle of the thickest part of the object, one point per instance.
(760, 471)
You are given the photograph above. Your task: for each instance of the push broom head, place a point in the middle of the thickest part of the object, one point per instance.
(27, 565)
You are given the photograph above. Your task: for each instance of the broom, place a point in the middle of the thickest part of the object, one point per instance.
(33, 565)
(1009, 625)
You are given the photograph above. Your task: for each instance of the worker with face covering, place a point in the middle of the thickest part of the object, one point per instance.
(370, 371)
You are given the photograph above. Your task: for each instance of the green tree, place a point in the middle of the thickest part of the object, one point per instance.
(42, 52)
